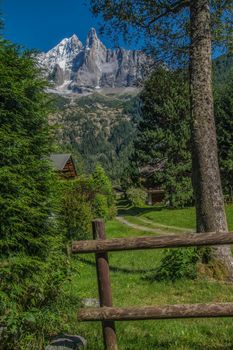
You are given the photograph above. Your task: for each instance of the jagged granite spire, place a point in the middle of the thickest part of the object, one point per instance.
(76, 67)
(92, 37)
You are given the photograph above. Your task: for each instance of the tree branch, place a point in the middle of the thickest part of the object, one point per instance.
(179, 5)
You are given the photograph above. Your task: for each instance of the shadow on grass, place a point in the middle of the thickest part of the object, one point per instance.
(118, 269)
(126, 209)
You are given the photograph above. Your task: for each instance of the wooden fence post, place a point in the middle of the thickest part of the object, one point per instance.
(104, 285)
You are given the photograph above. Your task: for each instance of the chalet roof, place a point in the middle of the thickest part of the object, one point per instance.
(59, 160)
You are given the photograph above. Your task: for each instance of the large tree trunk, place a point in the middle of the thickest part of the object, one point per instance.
(210, 211)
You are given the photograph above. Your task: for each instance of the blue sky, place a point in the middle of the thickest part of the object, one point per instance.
(41, 24)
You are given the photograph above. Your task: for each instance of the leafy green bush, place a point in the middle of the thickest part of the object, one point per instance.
(104, 202)
(103, 184)
(101, 209)
(76, 216)
(76, 208)
(177, 264)
(137, 196)
(84, 199)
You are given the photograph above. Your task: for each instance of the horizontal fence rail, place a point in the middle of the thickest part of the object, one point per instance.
(153, 242)
(156, 312)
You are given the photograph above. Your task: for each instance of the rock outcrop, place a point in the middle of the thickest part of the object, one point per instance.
(75, 67)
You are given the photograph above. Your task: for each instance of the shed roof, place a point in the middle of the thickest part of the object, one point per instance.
(59, 160)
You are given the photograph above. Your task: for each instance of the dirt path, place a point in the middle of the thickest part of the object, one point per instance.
(177, 228)
(161, 229)
(141, 228)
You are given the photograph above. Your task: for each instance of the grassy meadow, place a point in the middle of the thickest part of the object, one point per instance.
(130, 287)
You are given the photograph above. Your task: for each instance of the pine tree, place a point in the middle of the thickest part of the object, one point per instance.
(163, 139)
(29, 245)
(224, 125)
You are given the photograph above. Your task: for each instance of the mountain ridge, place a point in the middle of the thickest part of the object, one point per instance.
(75, 67)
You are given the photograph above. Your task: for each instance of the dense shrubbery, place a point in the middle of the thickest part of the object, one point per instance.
(177, 264)
(84, 199)
(32, 259)
(224, 125)
(137, 196)
(76, 214)
(104, 202)
(100, 206)
(189, 263)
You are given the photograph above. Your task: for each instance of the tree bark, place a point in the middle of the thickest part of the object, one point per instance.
(210, 213)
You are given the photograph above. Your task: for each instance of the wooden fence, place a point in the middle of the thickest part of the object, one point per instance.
(109, 314)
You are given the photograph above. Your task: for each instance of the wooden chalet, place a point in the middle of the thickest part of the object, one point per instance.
(64, 164)
(155, 196)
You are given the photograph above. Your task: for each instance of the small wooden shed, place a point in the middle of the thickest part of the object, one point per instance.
(64, 164)
(155, 196)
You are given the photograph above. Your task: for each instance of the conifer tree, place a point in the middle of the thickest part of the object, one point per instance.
(163, 138)
(29, 246)
(224, 124)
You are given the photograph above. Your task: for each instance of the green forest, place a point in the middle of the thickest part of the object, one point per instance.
(98, 129)
(125, 133)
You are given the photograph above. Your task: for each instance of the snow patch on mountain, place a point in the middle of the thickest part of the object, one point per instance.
(78, 68)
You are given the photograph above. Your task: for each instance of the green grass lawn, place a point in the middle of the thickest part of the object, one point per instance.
(169, 217)
(182, 217)
(129, 286)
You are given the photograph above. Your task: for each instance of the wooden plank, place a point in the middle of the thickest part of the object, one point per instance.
(153, 242)
(104, 286)
(157, 312)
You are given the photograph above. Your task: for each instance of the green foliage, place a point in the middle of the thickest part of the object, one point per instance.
(222, 67)
(137, 196)
(32, 263)
(189, 263)
(177, 264)
(100, 130)
(101, 209)
(163, 139)
(84, 199)
(224, 125)
(75, 212)
(104, 200)
(164, 25)
(103, 184)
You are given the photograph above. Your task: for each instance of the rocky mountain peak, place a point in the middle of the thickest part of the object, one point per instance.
(74, 41)
(91, 37)
(75, 67)
(93, 42)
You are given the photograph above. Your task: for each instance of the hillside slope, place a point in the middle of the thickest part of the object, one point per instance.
(98, 127)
